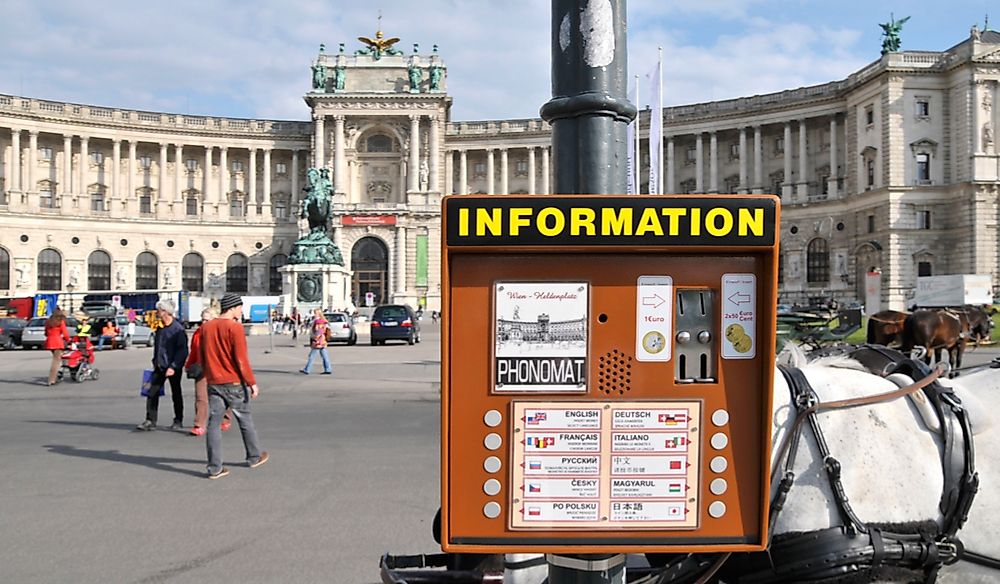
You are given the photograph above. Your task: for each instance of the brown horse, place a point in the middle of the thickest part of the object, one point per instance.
(936, 330)
(980, 323)
(886, 326)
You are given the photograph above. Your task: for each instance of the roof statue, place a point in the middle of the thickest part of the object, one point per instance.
(379, 46)
(890, 33)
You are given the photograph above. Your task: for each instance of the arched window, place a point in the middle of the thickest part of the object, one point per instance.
(146, 271)
(193, 273)
(236, 273)
(99, 270)
(818, 262)
(274, 282)
(49, 270)
(378, 143)
(4, 269)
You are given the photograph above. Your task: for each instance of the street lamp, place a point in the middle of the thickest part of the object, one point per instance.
(69, 289)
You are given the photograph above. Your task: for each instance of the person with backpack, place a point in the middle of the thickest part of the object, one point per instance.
(319, 338)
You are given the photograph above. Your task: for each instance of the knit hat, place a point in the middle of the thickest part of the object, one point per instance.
(230, 300)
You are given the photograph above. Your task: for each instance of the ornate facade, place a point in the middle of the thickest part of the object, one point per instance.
(893, 169)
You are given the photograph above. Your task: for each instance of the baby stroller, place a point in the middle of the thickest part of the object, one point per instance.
(78, 362)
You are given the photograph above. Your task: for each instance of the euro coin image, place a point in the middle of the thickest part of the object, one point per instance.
(743, 344)
(734, 331)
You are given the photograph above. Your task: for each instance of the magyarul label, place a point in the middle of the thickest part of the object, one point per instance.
(610, 221)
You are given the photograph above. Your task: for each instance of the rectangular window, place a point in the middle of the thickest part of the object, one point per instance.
(145, 204)
(923, 168)
(734, 151)
(97, 157)
(692, 154)
(779, 145)
(923, 219)
(281, 168)
(871, 224)
(145, 162)
(45, 153)
(479, 169)
(871, 172)
(923, 108)
(237, 166)
(521, 167)
(870, 115)
(923, 268)
(192, 164)
(191, 207)
(280, 210)
(97, 203)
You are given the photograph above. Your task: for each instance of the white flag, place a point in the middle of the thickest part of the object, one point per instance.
(632, 134)
(656, 127)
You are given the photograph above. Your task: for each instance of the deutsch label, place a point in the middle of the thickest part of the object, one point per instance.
(650, 419)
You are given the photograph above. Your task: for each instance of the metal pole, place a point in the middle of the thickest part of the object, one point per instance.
(589, 110)
(589, 113)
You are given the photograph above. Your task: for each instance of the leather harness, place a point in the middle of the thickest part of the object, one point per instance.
(857, 549)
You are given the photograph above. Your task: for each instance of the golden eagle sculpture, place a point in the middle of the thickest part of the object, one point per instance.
(379, 46)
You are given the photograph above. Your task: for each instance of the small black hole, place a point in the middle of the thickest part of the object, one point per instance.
(24, 238)
(602, 317)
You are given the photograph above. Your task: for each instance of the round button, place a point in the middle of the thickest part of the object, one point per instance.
(493, 441)
(492, 510)
(683, 337)
(491, 487)
(719, 464)
(717, 509)
(719, 441)
(720, 417)
(493, 418)
(704, 337)
(491, 464)
(718, 486)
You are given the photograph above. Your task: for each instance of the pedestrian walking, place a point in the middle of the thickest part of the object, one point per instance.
(196, 370)
(56, 337)
(231, 384)
(318, 340)
(170, 351)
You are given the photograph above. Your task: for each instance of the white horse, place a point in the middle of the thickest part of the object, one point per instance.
(890, 460)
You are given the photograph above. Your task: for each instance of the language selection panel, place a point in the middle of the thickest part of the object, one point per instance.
(623, 465)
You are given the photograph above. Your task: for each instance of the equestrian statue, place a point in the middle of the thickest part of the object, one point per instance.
(315, 246)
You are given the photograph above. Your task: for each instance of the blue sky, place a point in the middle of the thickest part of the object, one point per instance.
(251, 59)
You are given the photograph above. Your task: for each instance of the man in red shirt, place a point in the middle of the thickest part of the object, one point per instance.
(231, 384)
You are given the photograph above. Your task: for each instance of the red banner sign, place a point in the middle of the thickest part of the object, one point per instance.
(368, 220)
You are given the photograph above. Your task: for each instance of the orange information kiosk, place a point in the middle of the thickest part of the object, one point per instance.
(607, 366)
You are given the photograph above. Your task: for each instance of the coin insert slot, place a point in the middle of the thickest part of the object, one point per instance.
(695, 315)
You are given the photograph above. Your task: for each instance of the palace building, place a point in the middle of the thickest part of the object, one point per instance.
(894, 170)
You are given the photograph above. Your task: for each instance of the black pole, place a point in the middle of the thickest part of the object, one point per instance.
(589, 111)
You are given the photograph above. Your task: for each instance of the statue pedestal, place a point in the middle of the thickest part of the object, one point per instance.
(309, 286)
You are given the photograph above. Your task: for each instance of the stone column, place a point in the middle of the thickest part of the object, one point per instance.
(671, 186)
(293, 204)
(208, 199)
(339, 162)
(250, 206)
(319, 157)
(400, 286)
(224, 183)
(713, 163)
(977, 144)
(131, 200)
(32, 160)
(463, 172)
(449, 172)
(504, 174)
(66, 185)
(699, 164)
(434, 185)
(413, 166)
(15, 159)
(490, 188)
(832, 182)
(266, 207)
(531, 170)
(758, 162)
(161, 183)
(545, 170)
(116, 164)
(84, 166)
(179, 177)
(743, 161)
(786, 186)
(802, 186)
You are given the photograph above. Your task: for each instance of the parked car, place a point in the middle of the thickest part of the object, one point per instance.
(33, 335)
(143, 334)
(10, 331)
(394, 322)
(342, 327)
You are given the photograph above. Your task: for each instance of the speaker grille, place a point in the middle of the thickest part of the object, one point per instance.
(615, 373)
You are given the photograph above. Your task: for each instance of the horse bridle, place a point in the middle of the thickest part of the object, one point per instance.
(854, 546)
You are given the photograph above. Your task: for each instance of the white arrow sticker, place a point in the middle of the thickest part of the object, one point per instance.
(654, 318)
(739, 316)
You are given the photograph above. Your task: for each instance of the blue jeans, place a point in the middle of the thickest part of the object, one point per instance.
(236, 397)
(323, 355)
(100, 342)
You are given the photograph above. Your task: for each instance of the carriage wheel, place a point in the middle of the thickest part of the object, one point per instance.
(95, 374)
(79, 375)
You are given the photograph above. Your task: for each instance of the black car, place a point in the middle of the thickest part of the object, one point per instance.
(10, 331)
(394, 322)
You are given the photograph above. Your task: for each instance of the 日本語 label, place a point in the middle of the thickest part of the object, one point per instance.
(648, 511)
(562, 465)
(575, 488)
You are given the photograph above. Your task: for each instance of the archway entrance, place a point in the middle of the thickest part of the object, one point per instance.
(370, 262)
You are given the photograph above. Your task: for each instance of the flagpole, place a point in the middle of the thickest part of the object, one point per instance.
(635, 166)
(659, 112)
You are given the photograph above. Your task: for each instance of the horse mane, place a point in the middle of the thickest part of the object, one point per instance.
(793, 355)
